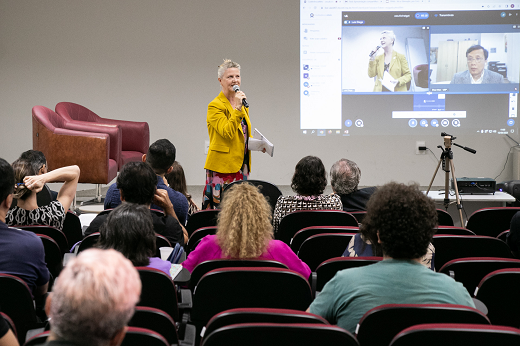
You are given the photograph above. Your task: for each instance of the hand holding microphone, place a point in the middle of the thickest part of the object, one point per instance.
(236, 88)
(372, 53)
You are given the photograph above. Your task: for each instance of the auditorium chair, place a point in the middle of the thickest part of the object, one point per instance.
(52, 232)
(449, 247)
(205, 267)
(359, 215)
(141, 336)
(53, 256)
(129, 140)
(327, 269)
(72, 228)
(444, 218)
(88, 242)
(491, 221)
(453, 230)
(300, 219)
(307, 232)
(202, 218)
(457, 334)
(321, 247)
(260, 315)
(64, 147)
(270, 191)
(10, 323)
(470, 271)
(197, 236)
(499, 292)
(280, 334)
(379, 325)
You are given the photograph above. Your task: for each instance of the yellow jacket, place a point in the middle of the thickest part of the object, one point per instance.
(226, 138)
(398, 69)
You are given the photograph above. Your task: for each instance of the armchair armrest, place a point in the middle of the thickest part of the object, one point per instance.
(114, 132)
(136, 134)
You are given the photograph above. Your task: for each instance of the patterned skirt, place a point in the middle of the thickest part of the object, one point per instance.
(216, 183)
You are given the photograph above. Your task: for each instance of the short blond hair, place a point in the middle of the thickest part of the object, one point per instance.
(225, 65)
(244, 223)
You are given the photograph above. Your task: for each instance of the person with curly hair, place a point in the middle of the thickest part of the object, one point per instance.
(244, 231)
(402, 220)
(309, 182)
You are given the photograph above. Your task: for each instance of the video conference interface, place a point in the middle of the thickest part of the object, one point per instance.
(409, 72)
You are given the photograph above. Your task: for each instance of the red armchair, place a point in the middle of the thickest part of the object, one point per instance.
(64, 147)
(129, 139)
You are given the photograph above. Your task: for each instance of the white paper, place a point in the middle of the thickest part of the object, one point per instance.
(175, 269)
(259, 143)
(388, 81)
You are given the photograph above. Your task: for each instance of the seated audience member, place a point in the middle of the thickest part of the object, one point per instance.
(309, 182)
(244, 231)
(403, 220)
(513, 237)
(22, 253)
(93, 300)
(177, 181)
(476, 73)
(160, 156)
(344, 178)
(28, 183)
(129, 230)
(7, 337)
(137, 183)
(39, 162)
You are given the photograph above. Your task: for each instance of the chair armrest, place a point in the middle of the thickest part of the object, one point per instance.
(136, 134)
(313, 281)
(186, 299)
(190, 335)
(114, 131)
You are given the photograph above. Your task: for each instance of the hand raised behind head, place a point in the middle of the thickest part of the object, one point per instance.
(34, 183)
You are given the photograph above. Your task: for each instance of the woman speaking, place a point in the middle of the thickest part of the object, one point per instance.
(229, 128)
(393, 63)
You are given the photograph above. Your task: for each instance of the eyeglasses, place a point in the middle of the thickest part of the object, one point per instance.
(479, 59)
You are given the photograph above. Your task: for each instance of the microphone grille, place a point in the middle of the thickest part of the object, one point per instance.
(236, 88)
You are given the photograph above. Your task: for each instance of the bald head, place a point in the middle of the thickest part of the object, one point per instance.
(344, 176)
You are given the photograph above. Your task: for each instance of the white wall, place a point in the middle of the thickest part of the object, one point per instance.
(156, 61)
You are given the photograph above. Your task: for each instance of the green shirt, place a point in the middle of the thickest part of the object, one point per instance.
(352, 292)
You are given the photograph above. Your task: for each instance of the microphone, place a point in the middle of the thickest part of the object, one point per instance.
(374, 51)
(236, 88)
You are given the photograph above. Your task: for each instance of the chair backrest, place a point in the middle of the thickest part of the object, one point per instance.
(106, 211)
(273, 334)
(379, 325)
(321, 247)
(17, 302)
(72, 228)
(326, 270)
(202, 218)
(44, 197)
(449, 247)
(270, 191)
(10, 323)
(160, 241)
(453, 230)
(457, 334)
(491, 221)
(471, 270)
(307, 232)
(260, 315)
(499, 292)
(53, 255)
(37, 339)
(141, 336)
(228, 288)
(52, 232)
(297, 220)
(156, 320)
(88, 242)
(205, 267)
(444, 218)
(73, 111)
(359, 215)
(158, 291)
(197, 235)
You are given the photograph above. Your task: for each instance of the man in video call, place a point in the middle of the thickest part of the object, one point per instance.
(476, 73)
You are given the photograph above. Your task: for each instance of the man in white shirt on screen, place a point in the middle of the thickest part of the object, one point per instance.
(476, 73)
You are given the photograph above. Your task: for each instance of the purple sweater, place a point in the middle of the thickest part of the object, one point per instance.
(208, 249)
(157, 263)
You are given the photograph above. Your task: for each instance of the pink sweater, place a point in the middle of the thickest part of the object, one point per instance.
(208, 249)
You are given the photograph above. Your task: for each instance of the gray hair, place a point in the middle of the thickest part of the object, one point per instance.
(344, 176)
(225, 65)
(390, 33)
(94, 297)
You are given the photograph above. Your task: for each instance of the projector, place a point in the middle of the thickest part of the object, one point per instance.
(475, 186)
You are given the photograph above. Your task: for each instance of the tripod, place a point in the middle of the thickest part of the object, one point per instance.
(447, 164)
